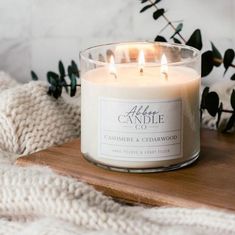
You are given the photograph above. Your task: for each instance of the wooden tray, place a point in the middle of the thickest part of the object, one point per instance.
(209, 182)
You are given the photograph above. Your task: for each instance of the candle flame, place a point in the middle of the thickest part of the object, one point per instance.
(141, 61)
(112, 67)
(164, 67)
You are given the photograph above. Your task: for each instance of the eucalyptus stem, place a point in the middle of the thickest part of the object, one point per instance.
(221, 61)
(169, 22)
(179, 34)
(227, 111)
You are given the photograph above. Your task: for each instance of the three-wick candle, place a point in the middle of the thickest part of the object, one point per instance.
(137, 115)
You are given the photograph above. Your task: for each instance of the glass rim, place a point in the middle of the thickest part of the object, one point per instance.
(166, 44)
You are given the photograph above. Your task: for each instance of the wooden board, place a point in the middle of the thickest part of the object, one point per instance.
(209, 182)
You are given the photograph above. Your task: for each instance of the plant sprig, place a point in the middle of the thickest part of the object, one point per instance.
(211, 58)
(57, 80)
(210, 101)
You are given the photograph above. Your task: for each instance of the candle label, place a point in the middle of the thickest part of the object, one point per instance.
(140, 130)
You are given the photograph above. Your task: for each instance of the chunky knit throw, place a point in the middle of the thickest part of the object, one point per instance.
(31, 120)
(36, 201)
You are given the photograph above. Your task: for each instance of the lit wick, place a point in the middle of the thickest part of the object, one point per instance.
(164, 67)
(141, 62)
(112, 67)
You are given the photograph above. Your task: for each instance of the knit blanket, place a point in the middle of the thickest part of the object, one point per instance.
(37, 201)
(31, 120)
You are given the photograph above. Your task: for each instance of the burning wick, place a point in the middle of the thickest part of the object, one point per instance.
(112, 68)
(164, 67)
(141, 62)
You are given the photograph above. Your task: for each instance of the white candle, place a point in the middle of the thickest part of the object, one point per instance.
(146, 119)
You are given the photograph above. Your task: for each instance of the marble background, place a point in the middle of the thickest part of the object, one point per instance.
(35, 34)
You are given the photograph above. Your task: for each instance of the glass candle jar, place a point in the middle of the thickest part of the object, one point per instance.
(140, 106)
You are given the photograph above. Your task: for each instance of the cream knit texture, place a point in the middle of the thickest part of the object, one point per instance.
(30, 120)
(37, 201)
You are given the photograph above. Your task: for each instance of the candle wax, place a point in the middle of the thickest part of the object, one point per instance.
(138, 120)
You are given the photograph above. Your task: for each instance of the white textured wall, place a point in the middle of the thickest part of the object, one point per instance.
(35, 34)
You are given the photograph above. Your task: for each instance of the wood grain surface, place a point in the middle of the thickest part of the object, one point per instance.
(209, 182)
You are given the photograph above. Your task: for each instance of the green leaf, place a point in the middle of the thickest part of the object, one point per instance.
(232, 100)
(51, 90)
(216, 55)
(228, 58)
(212, 103)
(233, 77)
(61, 69)
(177, 30)
(53, 78)
(207, 63)
(179, 27)
(55, 91)
(34, 76)
(156, 1)
(158, 13)
(74, 68)
(149, 6)
(160, 39)
(219, 115)
(146, 8)
(73, 85)
(62, 76)
(53, 74)
(204, 95)
(230, 123)
(70, 71)
(176, 40)
(58, 92)
(195, 40)
(64, 84)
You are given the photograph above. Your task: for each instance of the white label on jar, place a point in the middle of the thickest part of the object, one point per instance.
(140, 130)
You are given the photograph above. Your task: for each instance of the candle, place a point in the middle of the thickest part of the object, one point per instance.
(141, 116)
